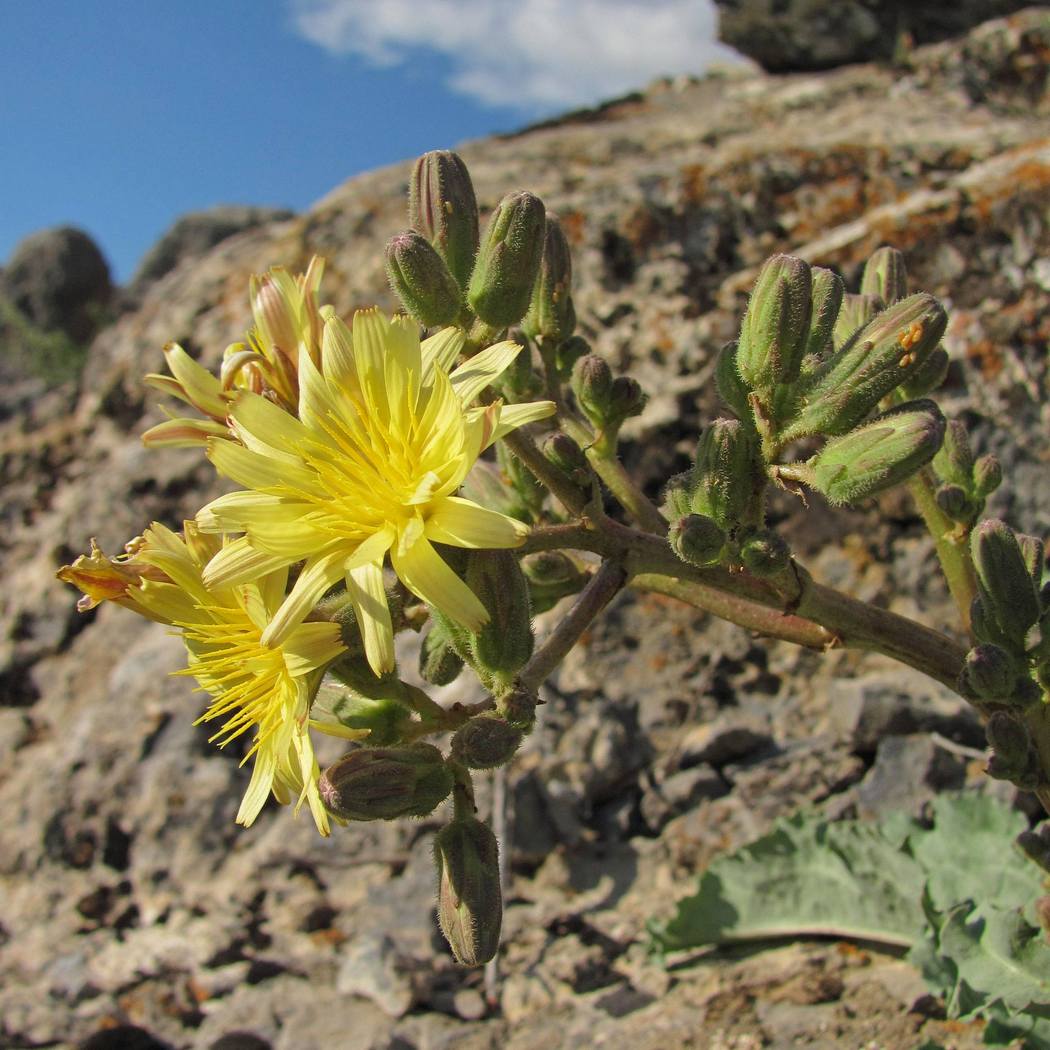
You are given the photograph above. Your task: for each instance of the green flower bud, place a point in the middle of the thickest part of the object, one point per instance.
(724, 478)
(384, 719)
(439, 663)
(485, 742)
(678, 495)
(928, 375)
(988, 673)
(1032, 552)
(854, 313)
(776, 325)
(568, 353)
(731, 388)
(885, 275)
(504, 644)
(592, 381)
(626, 399)
(764, 553)
(987, 475)
(1012, 756)
(508, 261)
(383, 783)
(878, 455)
(561, 451)
(421, 280)
(828, 291)
(1036, 846)
(1005, 586)
(954, 462)
(354, 670)
(875, 361)
(952, 499)
(470, 902)
(518, 707)
(552, 315)
(442, 207)
(697, 539)
(552, 576)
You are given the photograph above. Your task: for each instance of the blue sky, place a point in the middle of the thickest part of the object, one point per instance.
(120, 115)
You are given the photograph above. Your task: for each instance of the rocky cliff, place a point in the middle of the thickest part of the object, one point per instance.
(134, 912)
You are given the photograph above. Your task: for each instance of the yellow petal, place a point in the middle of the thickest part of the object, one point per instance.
(426, 575)
(267, 429)
(202, 389)
(255, 471)
(474, 375)
(317, 577)
(364, 585)
(239, 562)
(311, 646)
(440, 351)
(513, 416)
(461, 523)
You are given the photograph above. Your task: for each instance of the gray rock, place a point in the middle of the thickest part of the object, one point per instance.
(372, 968)
(908, 772)
(730, 737)
(679, 792)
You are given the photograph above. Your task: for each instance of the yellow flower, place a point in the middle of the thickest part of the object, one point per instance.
(253, 684)
(385, 437)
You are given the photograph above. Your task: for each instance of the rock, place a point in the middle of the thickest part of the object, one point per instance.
(798, 35)
(729, 737)
(194, 234)
(59, 280)
(679, 792)
(908, 772)
(371, 968)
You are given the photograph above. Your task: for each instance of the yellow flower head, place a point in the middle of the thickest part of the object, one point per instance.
(252, 683)
(385, 437)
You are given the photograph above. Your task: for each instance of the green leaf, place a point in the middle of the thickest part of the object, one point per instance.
(969, 853)
(807, 877)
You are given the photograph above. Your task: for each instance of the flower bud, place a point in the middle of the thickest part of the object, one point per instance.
(1005, 586)
(421, 280)
(508, 261)
(764, 553)
(485, 742)
(988, 673)
(518, 707)
(552, 576)
(561, 451)
(1036, 846)
(878, 455)
(439, 663)
(1009, 738)
(592, 381)
(504, 644)
(954, 461)
(723, 479)
(568, 353)
(885, 275)
(987, 475)
(470, 902)
(383, 783)
(954, 502)
(626, 398)
(384, 719)
(854, 313)
(828, 291)
(1032, 553)
(775, 329)
(928, 375)
(875, 361)
(442, 207)
(697, 539)
(731, 388)
(552, 315)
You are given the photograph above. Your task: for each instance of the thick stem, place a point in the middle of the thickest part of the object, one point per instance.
(951, 543)
(600, 590)
(571, 497)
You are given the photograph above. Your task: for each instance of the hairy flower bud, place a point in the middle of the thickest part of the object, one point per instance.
(470, 902)
(854, 313)
(954, 461)
(485, 742)
(885, 275)
(568, 353)
(954, 502)
(518, 707)
(1032, 552)
(828, 291)
(551, 314)
(1012, 755)
(987, 475)
(875, 361)
(592, 381)
(421, 280)
(1036, 846)
(927, 376)
(504, 644)
(878, 455)
(731, 387)
(508, 260)
(722, 486)
(385, 719)
(697, 539)
(442, 207)
(439, 663)
(1005, 587)
(764, 553)
(775, 330)
(626, 398)
(383, 783)
(552, 576)
(561, 451)
(988, 673)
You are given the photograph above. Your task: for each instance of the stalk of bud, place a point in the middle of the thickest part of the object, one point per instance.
(551, 314)
(470, 902)
(697, 539)
(421, 280)
(508, 261)
(885, 275)
(878, 455)
(775, 330)
(485, 742)
(875, 361)
(1006, 591)
(442, 207)
(383, 783)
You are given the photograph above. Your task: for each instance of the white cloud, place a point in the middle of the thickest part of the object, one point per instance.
(540, 55)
